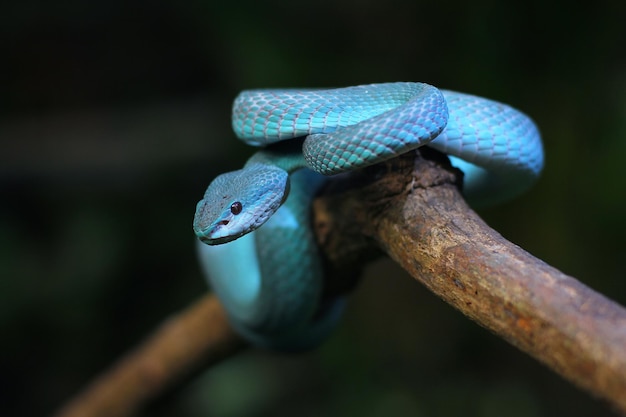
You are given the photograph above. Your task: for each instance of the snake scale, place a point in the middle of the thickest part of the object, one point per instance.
(270, 278)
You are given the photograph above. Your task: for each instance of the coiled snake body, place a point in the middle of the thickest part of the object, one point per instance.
(270, 281)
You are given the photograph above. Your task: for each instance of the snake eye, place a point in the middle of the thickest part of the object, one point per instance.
(236, 208)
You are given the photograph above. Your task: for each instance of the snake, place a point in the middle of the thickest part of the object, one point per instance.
(255, 243)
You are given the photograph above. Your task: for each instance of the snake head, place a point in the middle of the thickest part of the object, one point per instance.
(239, 202)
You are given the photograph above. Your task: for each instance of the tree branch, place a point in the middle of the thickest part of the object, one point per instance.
(411, 208)
(198, 336)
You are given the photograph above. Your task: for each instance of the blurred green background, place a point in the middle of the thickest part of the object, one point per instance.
(115, 117)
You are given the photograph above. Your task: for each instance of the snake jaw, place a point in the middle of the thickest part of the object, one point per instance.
(218, 232)
(223, 228)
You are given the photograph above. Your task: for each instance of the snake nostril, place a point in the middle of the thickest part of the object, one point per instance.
(223, 223)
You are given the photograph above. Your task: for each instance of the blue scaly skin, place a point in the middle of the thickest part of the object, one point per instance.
(269, 278)
(278, 260)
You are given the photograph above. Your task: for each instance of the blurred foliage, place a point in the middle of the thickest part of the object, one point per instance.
(115, 116)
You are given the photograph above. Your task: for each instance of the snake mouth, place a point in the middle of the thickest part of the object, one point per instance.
(218, 235)
(217, 241)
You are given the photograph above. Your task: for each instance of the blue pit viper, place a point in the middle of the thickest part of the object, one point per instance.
(271, 280)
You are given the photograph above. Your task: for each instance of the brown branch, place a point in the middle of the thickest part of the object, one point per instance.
(200, 335)
(412, 209)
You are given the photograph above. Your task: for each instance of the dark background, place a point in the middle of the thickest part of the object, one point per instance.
(115, 117)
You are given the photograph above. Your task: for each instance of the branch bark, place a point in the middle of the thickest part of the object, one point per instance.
(412, 209)
(198, 336)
